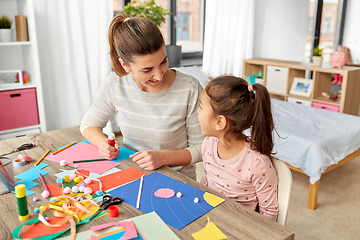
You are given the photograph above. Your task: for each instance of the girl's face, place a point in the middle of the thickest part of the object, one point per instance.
(148, 70)
(205, 115)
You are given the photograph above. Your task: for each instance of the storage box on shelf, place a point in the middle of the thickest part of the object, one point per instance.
(22, 99)
(274, 71)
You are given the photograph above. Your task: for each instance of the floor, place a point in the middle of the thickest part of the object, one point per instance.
(338, 211)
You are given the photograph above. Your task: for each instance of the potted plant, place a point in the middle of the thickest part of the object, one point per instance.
(156, 14)
(317, 57)
(5, 29)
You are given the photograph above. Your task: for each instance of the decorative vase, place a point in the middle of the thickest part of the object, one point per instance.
(317, 61)
(5, 35)
(174, 54)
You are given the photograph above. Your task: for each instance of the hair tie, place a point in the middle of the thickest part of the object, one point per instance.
(251, 88)
(126, 19)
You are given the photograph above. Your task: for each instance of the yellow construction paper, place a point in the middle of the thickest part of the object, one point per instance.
(209, 232)
(212, 199)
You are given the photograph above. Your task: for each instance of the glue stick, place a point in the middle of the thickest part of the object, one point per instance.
(20, 192)
(111, 139)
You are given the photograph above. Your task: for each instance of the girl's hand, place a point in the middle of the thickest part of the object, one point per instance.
(107, 151)
(150, 159)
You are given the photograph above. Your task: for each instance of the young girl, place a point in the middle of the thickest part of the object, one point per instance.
(236, 165)
(157, 106)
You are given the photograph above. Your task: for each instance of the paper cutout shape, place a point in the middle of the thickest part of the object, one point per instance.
(129, 226)
(83, 151)
(209, 232)
(212, 199)
(39, 229)
(29, 176)
(164, 193)
(149, 226)
(176, 212)
(108, 182)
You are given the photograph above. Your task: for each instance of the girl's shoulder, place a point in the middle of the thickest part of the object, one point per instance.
(258, 157)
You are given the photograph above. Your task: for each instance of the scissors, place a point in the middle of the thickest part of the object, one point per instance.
(108, 200)
(21, 148)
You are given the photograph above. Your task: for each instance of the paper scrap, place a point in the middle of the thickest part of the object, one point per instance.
(212, 199)
(129, 226)
(39, 229)
(164, 193)
(209, 232)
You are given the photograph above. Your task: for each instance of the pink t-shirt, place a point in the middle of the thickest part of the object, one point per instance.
(248, 178)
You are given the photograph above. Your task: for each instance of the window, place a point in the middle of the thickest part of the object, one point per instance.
(188, 31)
(326, 21)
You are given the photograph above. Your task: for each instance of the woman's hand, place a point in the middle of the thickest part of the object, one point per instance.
(150, 159)
(107, 151)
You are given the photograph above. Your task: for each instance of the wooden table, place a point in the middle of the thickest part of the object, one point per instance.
(235, 220)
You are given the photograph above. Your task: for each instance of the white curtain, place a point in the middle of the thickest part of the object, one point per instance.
(229, 31)
(74, 59)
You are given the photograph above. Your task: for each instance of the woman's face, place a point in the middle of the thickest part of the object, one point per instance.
(148, 70)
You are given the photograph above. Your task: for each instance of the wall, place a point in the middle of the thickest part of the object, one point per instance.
(281, 28)
(351, 37)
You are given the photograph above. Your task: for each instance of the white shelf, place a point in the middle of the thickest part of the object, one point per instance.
(7, 44)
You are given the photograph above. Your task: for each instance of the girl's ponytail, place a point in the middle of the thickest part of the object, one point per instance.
(263, 124)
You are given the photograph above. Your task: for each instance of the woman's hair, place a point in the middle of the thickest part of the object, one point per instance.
(129, 37)
(243, 109)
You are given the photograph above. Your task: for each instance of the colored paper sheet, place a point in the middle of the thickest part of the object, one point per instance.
(39, 229)
(83, 151)
(176, 212)
(130, 233)
(212, 199)
(108, 181)
(149, 226)
(29, 176)
(209, 232)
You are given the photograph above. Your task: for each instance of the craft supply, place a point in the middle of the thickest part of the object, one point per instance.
(45, 193)
(67, 190)
(59, 180)
(7, 182)
(66, 179)
(42, 157)
(139, 192)
(26, 158)
(37, 210)
(196, 200)
(108, 201)
(179, 194)
(77, 179)
(113, 211)
(90, 160)
(88, 190)
(111, 139)
(20, 191)
(72, 177)
(82, 188)
(75, 189)
(99, 193)
(19, 162)
(87, 180)
(63, 163)
(63, 148)
(21, 148)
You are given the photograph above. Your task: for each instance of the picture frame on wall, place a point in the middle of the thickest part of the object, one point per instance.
(302, 87)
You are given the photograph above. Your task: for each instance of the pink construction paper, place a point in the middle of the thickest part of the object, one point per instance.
(130, 228)
(83, 151)
(164, 193)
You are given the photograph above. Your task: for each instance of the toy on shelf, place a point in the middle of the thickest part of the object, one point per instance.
(335, 96)
(337, 59)
(337, 79)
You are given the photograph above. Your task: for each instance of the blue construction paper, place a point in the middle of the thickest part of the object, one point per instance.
(124, 152)
(29, 176)
(176, 212)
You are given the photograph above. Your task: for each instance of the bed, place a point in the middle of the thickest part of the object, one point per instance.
(314, 141)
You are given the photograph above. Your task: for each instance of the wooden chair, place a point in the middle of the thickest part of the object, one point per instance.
(284, 189)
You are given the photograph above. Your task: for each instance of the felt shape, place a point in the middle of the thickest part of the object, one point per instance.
(83, 151)
(29, 176)
(164, 193)
(39, 229)
(209, 232)
(176, 212)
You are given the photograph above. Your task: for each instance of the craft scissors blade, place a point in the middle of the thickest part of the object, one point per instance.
(108, 200)
(21, 148)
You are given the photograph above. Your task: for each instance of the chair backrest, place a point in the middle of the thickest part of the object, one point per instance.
(284, 189)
